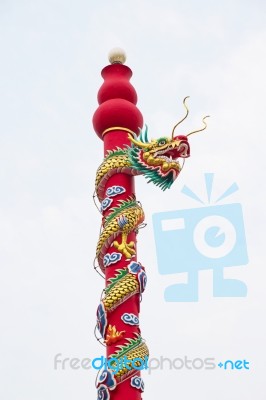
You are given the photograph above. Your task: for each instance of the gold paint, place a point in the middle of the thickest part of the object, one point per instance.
(117, 128)
(165, 166)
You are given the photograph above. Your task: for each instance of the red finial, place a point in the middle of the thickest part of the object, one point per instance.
(117, 100)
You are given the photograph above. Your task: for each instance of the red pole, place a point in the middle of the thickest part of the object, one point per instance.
(116, 117)
(117, 121)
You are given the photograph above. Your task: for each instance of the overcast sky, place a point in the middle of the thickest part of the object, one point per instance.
(52, 53)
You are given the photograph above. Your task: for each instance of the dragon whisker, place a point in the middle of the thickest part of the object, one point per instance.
(187, 111)
(199, 130)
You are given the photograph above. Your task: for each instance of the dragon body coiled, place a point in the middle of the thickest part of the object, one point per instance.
(123, 220)
(114, 163)
(157, 160)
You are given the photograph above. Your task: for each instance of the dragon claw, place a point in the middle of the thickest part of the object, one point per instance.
(127, 249)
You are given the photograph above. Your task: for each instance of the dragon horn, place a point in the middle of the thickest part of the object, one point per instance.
(138, 143)
(202, 129)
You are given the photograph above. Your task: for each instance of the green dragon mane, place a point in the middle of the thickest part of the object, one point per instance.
(151, 173)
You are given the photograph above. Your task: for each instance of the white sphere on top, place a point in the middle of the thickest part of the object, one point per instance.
(117, 55)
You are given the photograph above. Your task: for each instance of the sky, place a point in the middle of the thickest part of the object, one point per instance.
(52, 53)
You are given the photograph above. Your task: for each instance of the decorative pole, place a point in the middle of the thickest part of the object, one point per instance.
(118, 122)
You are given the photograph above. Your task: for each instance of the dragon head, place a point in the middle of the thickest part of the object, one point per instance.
(158, 160)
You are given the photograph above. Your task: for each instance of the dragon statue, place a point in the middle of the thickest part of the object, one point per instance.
(158, 161)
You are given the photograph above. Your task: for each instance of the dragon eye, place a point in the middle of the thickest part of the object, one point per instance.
(162, 142)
